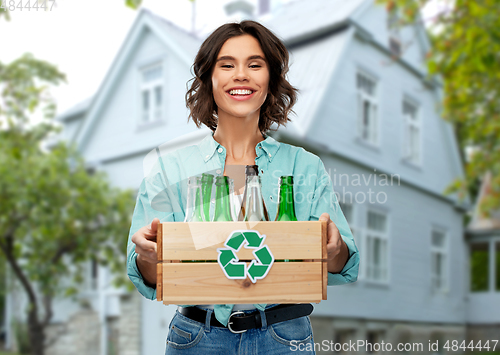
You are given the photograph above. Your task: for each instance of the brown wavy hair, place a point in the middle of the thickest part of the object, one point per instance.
(281, 95)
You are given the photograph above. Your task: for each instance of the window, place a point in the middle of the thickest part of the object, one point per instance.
(412, 132)
(393, 27)
(376, 247)
(479, 267)
(348, 211)
(367, 108)
(151, 94)
(438, 260)
(497, 266)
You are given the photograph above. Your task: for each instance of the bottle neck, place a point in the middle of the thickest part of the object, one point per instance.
(222, 202)
(194, 210)
(254, 206)
(286, 205)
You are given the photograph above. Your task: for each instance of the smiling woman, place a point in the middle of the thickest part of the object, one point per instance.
(239, 91)
(252, 53)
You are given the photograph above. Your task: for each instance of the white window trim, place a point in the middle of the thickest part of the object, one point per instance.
(380, 235)
(374, 126)
(150, 86)
(408, 123)
(444, 289)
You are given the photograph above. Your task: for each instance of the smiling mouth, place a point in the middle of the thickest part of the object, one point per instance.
(240, 92)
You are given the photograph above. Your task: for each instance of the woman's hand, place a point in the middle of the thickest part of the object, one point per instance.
(336, 247)
(145, 247)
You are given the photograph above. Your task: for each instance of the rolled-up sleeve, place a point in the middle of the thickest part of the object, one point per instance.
(143, 215)
(325, 200)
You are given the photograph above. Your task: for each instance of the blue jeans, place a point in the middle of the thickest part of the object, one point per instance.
(186, 336)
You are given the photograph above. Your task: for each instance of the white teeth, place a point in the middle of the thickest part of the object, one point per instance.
(240, 92)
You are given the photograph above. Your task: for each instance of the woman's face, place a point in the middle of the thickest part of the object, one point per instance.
(240, 78)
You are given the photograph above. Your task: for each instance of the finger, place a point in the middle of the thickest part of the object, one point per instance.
(146, 245)
(324, 217)
(153, 227)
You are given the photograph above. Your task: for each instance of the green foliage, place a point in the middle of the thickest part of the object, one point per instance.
(466, 54)
(20, 330)
(54, 215)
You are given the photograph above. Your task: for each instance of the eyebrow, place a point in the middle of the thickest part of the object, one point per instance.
(228, 57)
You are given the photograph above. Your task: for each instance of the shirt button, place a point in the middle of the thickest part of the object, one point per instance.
(208, 156)
(260, 147)
(269, 155)
(213, 200)
(271, 197)
(220, 150)
(218, 171)
(261, 171)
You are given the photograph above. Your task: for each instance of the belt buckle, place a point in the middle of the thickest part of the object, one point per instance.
(229, 323)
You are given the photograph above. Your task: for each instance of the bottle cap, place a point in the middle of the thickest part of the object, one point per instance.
(251, 170)
(221, 180)
(286, 180)
(207, 178)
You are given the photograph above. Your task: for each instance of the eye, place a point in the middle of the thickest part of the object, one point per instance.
(255, 66)
(226, 66)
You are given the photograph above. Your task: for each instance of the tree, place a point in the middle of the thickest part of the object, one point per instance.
(54, 215)
(465, 53)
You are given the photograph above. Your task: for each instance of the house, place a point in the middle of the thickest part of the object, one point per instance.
(367, 108)
(483, 239)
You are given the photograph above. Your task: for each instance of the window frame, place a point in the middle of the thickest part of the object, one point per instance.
(410, 123)
(372, 130)
(444, 250)
(384, 237)
(151, 87)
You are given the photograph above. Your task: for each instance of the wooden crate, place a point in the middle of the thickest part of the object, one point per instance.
(205, 282)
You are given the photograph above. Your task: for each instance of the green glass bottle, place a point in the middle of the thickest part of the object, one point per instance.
(222, 201)
(207, 181)
(286, 205)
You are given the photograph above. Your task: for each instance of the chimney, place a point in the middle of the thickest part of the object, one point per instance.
(264, 6)
(239, 10)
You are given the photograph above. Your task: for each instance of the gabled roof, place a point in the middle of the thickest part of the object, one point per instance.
(180, 42)
(479, 222)
(310, 18)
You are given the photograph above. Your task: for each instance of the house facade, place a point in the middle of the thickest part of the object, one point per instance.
(367, 108)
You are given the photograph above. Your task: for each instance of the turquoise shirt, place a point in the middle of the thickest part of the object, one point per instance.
(163, 192)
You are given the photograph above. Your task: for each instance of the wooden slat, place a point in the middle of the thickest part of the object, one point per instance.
(324, 238)
(205, 283)
(200, 240)
(159, 267)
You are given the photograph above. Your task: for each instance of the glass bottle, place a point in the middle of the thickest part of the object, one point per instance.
(252, 180)
(255, 209)
(222, 200)
(194, 209)
(286, 205)
(207, 181)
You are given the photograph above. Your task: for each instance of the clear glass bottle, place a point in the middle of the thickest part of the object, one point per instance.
(222, 201)
(194, 205)
(252, 187)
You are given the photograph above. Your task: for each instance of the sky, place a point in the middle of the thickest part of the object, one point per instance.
(82, 41)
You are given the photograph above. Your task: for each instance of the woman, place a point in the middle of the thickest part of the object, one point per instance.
(238, 91)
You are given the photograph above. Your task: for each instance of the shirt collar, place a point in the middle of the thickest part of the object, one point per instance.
(269, 146)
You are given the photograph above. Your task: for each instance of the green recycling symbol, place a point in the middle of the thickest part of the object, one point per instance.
(228, 260)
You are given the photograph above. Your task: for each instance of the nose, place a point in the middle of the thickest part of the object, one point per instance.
(240, 73)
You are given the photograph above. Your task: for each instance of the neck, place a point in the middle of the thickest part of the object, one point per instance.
(239, 136)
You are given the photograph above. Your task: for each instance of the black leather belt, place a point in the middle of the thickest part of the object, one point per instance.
(239, 321)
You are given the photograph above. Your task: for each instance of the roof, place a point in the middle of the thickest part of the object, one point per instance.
(311, 71)
(289, 24)
(480, 222)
